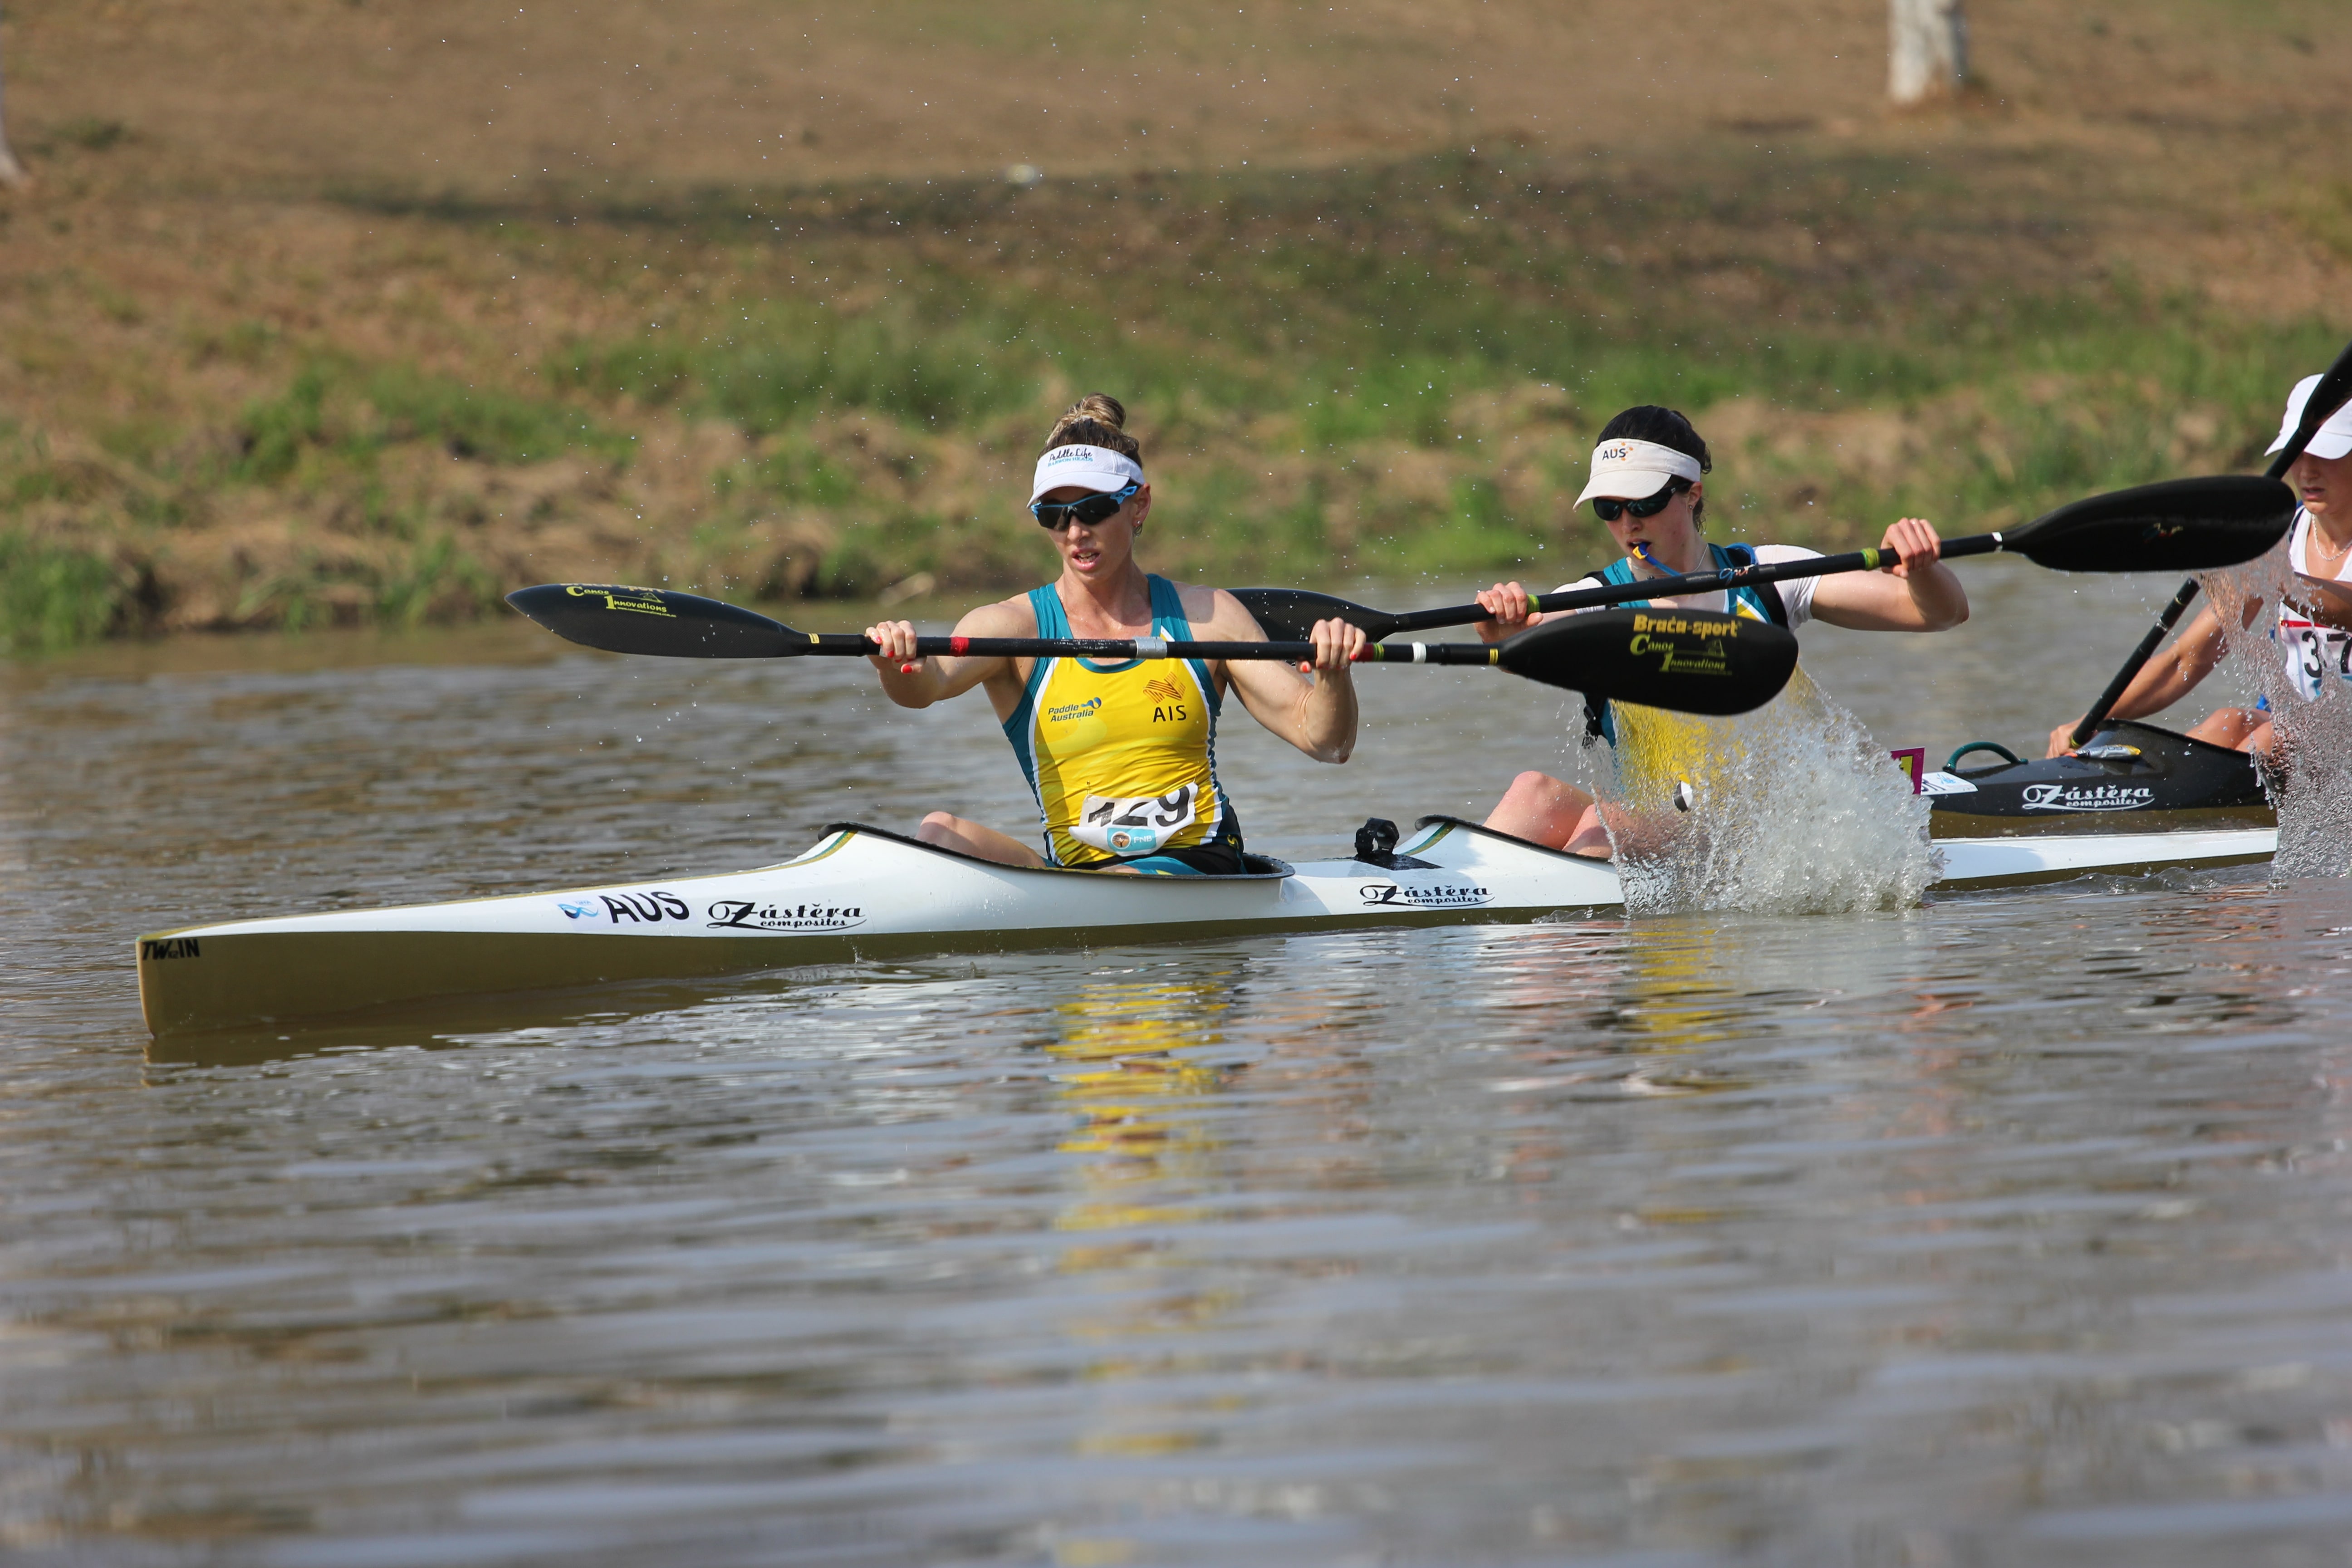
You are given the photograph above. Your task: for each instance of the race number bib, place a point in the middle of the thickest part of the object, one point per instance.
(1137, 826)
(2313, 653)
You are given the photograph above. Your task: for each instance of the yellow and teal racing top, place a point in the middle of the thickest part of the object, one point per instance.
(1122, 758)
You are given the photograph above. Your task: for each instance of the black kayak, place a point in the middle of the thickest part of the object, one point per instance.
(2131, 778)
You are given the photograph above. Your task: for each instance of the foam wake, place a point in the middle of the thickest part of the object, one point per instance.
(1794, 810)
(2309, 767)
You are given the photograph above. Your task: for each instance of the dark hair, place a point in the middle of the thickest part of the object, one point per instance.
(1665, 428)
(1097, 419)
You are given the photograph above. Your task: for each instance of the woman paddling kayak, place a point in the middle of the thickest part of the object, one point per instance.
(1648, 488)
(2311, 620)
(1121, 757)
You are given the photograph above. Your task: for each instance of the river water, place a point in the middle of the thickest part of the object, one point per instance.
(2014, 1228)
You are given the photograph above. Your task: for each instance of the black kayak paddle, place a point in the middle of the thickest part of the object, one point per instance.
(2177, 525)
(1687, 661)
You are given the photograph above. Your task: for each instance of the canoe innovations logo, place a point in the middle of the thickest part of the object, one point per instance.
(746, 914)
(1425, 896)
(640, 601)
(2098, 797)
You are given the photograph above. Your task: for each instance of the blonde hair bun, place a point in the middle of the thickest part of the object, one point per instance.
(1097, 419)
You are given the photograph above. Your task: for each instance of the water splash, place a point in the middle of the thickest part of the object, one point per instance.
(2310, 775)
(1794, 810)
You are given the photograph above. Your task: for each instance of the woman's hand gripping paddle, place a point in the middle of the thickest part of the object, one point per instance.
(2180, 524)
(1686, 661)
(2334, 389)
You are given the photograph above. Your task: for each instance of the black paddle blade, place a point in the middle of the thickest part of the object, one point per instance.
(2180, 525)
(655, 621)
(1688, 660)
(1288, 614)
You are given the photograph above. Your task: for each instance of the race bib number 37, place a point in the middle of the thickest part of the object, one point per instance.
(2313, 654)
(1138, 826)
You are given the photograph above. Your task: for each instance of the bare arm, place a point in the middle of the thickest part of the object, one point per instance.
(1317, 712)
(1920, 595)
(912, 682)
(2163, 680)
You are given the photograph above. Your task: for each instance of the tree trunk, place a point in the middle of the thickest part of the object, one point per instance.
(1928, 51)
(12, 173)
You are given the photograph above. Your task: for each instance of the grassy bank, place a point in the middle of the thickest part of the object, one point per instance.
(380, 408)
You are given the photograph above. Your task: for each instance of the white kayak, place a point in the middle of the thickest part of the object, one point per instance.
(865, 892)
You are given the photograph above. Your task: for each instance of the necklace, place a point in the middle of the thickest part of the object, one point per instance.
(2312, 545)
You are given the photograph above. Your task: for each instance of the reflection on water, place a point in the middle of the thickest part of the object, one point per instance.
(2006, 1230)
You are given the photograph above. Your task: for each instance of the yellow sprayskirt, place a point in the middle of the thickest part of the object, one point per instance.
(1657, 750)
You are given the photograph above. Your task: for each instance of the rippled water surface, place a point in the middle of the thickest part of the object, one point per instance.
(2016, 1229)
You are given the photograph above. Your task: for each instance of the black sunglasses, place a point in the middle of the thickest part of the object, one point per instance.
(1090, 510)
(1611, 509)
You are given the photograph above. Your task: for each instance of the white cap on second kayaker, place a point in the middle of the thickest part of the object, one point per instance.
(2335, 437)
(1096, 468)
(1625, 469)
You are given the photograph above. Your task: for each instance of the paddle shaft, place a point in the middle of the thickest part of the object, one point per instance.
(1112, 650)
(2312, 419)
(1690, 582)
(2133, 665)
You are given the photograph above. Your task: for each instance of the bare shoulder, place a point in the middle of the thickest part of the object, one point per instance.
(1214, 611)
(1011, 617)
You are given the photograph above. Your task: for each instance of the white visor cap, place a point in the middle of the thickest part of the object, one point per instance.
(2335, 437)
(1626, 469)
(1096, 468)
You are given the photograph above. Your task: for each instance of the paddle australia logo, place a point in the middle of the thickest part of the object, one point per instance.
(743, 914)
(1069, 710)
(1438, 896)
(2098, 797)
(151, 949)
(634, 909)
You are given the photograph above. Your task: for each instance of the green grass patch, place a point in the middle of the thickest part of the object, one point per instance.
(1282, 336)
(347, 414)
(785, 364)
(54, 597)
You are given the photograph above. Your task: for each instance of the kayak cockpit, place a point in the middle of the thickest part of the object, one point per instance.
(1262, 868)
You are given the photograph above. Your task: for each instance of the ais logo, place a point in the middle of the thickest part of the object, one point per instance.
(1168, 702)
